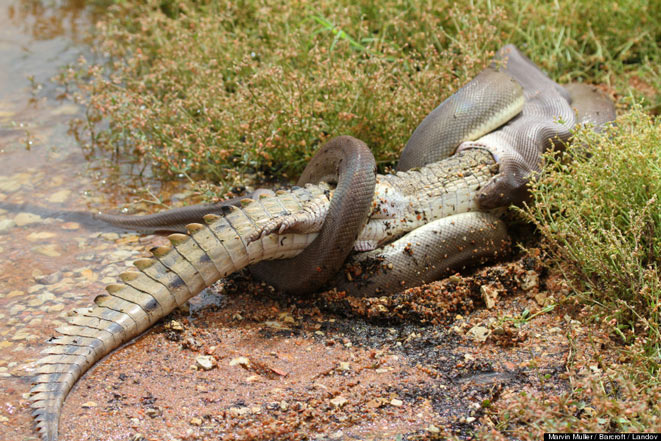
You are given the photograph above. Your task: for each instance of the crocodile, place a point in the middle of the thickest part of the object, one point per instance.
(229, 242)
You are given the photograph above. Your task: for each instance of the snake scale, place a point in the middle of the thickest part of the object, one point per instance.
(412, 226)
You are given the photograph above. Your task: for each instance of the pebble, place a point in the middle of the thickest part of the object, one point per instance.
(530, 280)
(195, 421)
(6, 225)
(88, 405)
(433, 429)
(23, 219)
(239, 411)
(49, 279)
(15, 293)
(242, 361)
(489, 295)
(59, 197)
(49, 250)
(206, 362)
(9, 186)
(41, 299)
(397, 403)
(70, 226)
(41, 235)
(478, 333)
(339, 401)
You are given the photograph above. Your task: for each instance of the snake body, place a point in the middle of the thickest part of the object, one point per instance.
(511, 109)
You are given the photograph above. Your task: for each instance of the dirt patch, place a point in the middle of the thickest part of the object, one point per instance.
(329, 367)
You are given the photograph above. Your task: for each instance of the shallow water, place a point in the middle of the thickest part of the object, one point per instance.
(53, 256)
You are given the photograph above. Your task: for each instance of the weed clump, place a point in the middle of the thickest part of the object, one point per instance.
(232, 91)
(598, 209)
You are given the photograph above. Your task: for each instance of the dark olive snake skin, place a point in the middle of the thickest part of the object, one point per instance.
(430, 212)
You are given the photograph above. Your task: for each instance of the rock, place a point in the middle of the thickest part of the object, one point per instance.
(339, 401)
(59, 197)
(49, 250)
(241, 361)
(49, 279)
(489, 295)
(41, 299)
(70, 226)
(8, 185)
(195, 421)
(530, 280)
(206, 362)
(174, 325)
(109, 236)
(433, 429)
(397, 403)
(41, 235)
(88, 405)
(6, 225)
(478, 333)
(23, 219)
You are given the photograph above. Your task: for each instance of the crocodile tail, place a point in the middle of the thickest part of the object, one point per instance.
(157, 286)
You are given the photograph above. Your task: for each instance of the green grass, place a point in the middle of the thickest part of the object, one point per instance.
(598, 208)
(225, 92)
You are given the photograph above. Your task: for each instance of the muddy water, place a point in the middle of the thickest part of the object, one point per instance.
(53, 257)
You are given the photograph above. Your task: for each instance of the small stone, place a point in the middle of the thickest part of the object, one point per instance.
(55, 308)
(6, 225)
(470, 420)
(541, 299)
(5, 344)
(345, 366)
(397, 403)
(206, 362)
(41, 235)
(110, 236)
(239, 411)
(489, 295)
(50, 279)
(59, 196)
(478, 333)
(339, 401)
(70, 226)
(9, 186)
(195, 421)
(23, 219)
(241, 361)
(174, 325)
(88, 274)
(15, 293)
(433, 429)
(530, 280)
(49, 250)
(88, 405)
